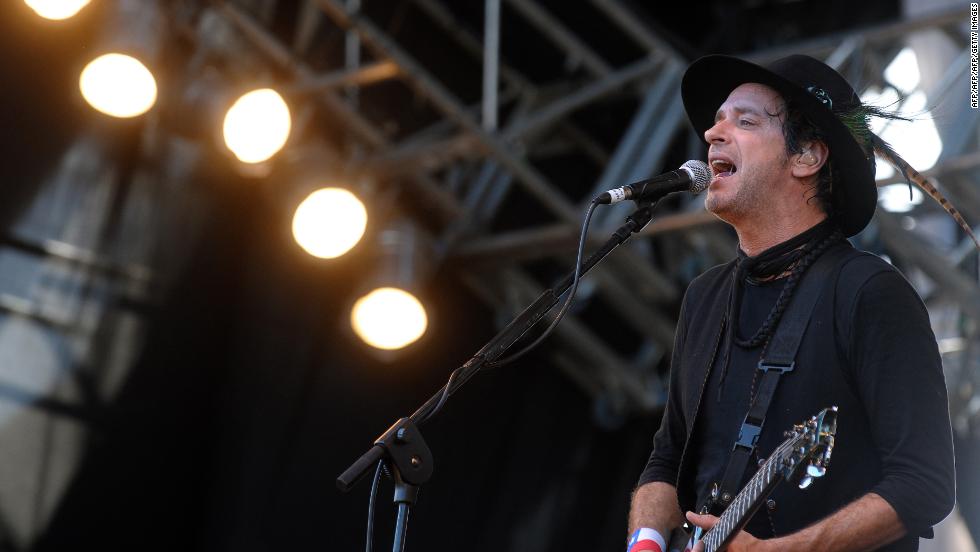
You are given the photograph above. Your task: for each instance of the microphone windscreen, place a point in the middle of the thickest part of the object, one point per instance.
(700, 175)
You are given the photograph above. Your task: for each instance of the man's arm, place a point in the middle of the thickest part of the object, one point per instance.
(898, 375)
(865, 524)
(655, 506)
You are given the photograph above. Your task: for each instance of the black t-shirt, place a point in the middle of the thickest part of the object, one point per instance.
(725, 404)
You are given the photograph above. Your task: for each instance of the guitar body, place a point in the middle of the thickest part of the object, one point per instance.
(679, 539)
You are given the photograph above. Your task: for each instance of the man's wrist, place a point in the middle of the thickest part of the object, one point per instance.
(646, 539)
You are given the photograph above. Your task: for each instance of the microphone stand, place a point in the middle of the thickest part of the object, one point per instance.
(402, 446)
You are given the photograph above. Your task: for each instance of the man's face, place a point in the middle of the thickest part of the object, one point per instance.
(747, 154)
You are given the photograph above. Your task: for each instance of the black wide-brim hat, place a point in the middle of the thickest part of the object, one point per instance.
(818, 91)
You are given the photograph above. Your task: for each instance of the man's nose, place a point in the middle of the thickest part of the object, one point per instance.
(717, 133)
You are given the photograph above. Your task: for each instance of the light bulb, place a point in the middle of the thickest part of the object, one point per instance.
(118, 85)
(329, 222)
(389, 318)
(56, 9)
(257, 125)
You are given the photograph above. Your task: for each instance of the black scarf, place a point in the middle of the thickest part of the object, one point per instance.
(780, 258)
(794, 256)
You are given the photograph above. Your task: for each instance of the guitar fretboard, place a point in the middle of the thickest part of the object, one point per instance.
(747, 501)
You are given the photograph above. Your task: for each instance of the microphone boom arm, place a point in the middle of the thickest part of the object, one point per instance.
(402, 445)
(504, 339)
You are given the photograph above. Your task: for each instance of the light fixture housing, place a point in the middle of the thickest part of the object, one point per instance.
(390, 313)
(121, 78)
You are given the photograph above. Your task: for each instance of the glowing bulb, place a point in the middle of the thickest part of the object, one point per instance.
(329, 222)
(56, 9)
(118, 85)
(389, 318)
(257, 125)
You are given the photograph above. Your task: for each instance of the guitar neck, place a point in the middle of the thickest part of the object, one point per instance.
(748, 501)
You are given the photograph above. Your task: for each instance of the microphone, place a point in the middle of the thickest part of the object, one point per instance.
(693, 176)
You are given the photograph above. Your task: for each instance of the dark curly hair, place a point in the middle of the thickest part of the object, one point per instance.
(799, 130)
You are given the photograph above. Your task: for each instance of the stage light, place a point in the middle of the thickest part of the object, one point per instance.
(389, 318)
(329, 222)
(56, 9)
(118, 85)
(257, 126)
(389, 315)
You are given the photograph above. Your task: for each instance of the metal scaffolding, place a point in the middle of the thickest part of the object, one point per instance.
(469, 157)
(469, 154)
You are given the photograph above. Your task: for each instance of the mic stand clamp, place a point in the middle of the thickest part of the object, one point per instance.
(637, 220)
(410, 461)
(408, 454)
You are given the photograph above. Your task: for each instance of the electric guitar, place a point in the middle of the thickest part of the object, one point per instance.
(801, 458)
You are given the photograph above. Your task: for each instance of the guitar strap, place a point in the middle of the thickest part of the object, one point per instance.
(778, 358)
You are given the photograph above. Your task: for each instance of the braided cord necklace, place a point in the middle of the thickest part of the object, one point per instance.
(794, 255)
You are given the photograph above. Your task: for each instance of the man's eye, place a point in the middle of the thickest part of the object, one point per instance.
(745, 122)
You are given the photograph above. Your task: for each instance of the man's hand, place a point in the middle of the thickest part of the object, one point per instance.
(742, 541)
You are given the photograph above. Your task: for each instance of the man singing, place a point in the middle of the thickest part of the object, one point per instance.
(792, 157)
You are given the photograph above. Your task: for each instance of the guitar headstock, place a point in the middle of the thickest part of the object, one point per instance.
(811, 444)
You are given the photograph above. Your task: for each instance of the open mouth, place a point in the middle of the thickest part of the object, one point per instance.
(721, 168)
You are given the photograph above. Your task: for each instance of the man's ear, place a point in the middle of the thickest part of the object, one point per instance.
(809, 161)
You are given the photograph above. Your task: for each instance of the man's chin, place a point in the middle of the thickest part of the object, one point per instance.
(720, 207)
(716, 203)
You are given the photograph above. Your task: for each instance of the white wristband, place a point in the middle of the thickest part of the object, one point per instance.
(646, 539)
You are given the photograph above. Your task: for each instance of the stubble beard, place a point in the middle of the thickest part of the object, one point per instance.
(750, 200)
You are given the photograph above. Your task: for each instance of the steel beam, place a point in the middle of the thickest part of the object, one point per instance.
(536, 121)
(445, 19)
(427, 157)
(443, 202)
(603, 370)
(547, 240)
(358, 76)
(491, 62)
(953, 283)
(512, 77)
(871, 35)
(560, 108)
(532, 181)
(559, 34)
(424, 83)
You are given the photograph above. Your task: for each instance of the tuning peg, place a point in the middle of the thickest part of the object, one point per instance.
(806, 481)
